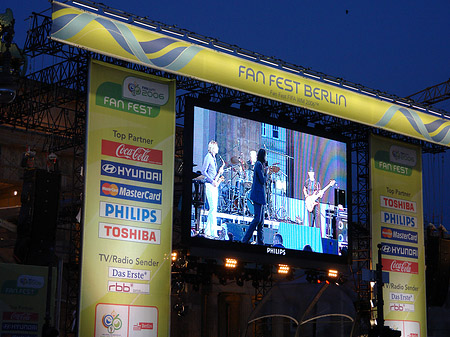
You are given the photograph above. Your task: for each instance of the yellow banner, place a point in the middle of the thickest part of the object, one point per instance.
(134, 44)
(23, 299)
(127, 232)
(397, 223)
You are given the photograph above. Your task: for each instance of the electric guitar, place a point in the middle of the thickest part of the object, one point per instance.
(310, 200)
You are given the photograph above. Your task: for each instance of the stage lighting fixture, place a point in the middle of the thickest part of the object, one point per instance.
(283, 269)
(333, 273)
(230, 263)
(174, 256)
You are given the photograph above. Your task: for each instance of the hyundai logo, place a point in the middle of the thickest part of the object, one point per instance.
(108, 168)
(386, 249)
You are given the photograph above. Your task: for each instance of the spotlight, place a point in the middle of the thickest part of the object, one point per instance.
(15, 192)
(333, 273)
(230, 263)
(174, 256)
(283, 269)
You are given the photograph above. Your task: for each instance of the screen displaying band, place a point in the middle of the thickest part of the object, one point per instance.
(302, 193)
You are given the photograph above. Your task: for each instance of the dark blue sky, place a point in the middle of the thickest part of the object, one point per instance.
(399, 47)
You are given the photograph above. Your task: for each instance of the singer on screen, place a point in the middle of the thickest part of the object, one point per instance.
(258, 196)
(213, 179)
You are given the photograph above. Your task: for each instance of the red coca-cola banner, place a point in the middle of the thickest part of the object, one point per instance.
(400, 266)
(131, 152)
(20, 316)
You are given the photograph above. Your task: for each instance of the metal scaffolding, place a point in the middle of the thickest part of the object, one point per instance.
(53, 102)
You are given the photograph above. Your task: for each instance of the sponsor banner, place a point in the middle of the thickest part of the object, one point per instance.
(403, 297)
(399, 235)
(19, 327)
(398, 219)
(398, 204)
(397, 224)
(402, 307)
(132, 152)
(397, 250)
(139, 44)
(128, 288)
(143, 326)
(130, 213)
(130, 192)
(131, 172)
(128, 202)
(128, 233)
(400, 266)
(20, 316)
(130, 274)
(407, 328)
(126, 320)
(23, 297)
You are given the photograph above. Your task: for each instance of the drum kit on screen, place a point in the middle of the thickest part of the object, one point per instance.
(234, 191)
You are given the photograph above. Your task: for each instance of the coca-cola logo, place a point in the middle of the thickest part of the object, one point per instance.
(20, 316)
(400, 266)
(136, 154)
(131, 152)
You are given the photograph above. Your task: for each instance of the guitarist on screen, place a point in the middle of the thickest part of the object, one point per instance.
(312, 194)
(213, 178)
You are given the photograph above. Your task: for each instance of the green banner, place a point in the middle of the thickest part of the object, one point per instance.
(23, 299)
(397, 223)
(154, 49)
(127, 232)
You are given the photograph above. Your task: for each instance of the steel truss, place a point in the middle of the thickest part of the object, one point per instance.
(52, 101)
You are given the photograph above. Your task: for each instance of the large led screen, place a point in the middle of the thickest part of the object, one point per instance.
(305, 185)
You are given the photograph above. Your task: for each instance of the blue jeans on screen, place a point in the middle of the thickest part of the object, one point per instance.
(257, 222)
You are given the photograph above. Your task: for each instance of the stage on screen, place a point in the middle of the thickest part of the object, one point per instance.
(289, 186)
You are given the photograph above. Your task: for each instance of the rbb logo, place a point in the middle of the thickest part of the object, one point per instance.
(396, 307)
(110, 189)
(119, 287)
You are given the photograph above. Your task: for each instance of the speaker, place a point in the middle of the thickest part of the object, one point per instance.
(237, 231)
(341, 228)
(36, 229)
(339, 197)
(330, 246)
(268, 234)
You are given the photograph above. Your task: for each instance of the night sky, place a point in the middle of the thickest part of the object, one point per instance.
(399, 47)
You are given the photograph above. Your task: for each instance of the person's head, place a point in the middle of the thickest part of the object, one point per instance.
(253, 156)
(277, 239)
(311, 173)
(213, 148)
(261, 157)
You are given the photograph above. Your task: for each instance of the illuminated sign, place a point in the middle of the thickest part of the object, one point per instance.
(158, 50)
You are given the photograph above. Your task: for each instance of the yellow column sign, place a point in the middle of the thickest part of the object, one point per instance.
(127, 232)
(397, 223)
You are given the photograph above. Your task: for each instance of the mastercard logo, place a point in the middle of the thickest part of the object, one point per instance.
(110, 189)
(386, 233)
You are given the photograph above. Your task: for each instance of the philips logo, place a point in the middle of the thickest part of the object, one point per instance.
(130, 213)
(276, 251)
